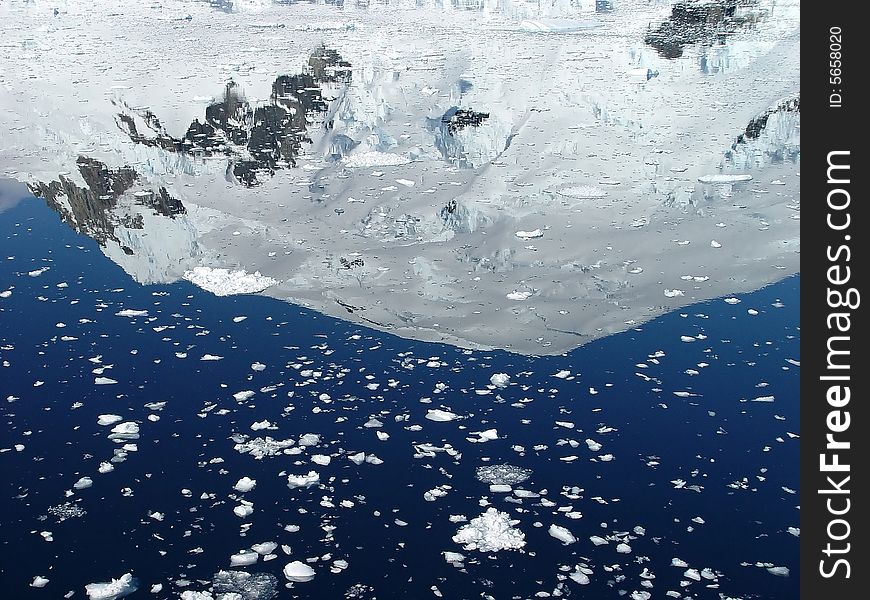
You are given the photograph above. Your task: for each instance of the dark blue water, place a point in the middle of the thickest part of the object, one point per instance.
(736, 456)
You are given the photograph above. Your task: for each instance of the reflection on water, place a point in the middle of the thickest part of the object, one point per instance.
(258, 139)
(448, 139)
(772, 137)
(90, 209)
(702, 22)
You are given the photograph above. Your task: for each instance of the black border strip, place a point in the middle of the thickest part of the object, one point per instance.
(834, 226)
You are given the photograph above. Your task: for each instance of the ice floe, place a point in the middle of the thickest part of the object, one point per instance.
(223, 282)
(490, 532)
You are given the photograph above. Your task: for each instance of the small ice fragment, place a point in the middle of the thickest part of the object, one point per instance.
(500, 380)
(243, 559)
(298, 572)
(295, 481)
(724, 178)
(562, 534)
(440, 416)
(519, 296)
(106, 420)
(579, 577)
(490, 532)
(528, 235)
(116, 588)
(39, 582)
(83, 483)
(245, 484)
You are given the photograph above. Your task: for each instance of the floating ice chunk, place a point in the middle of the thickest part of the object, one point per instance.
(763, 399)
(453, 557)
(211, 357)
(593, 445)
(795, 531)
(245, 484)
(116, 588)
(441, 416)
(264, 548)
(500, 380)
(307, 480)
(519, 296)
(674, 293)
(490, 532)
(262, 447)
(195, 595)
(298, 572)
(579, 577)
(529, 235)
(258, 366)
(125, 431)
(243, 395)
(500, 488)
(484, 436)
(562, 374)
(243, 511)
(676, 562)
(503, 474)
(692, 574)
(562, 534)
(778, 571)
(264, 424)
(732, 300)
(623, 548)
(39, 582)
(38, 272)
(357, 458)
(687, 338)
(642, 595)
(405, 182)
(105, 467)
(321, 459)
(104, 381)
(715, 244)
(129, 312)
(243, 559)
(309, 439)
(83, 483)
(374, 159)
(222, 282)
(106, 420)
(724, 178)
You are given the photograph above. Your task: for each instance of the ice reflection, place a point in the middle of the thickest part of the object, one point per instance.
(257, 139)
